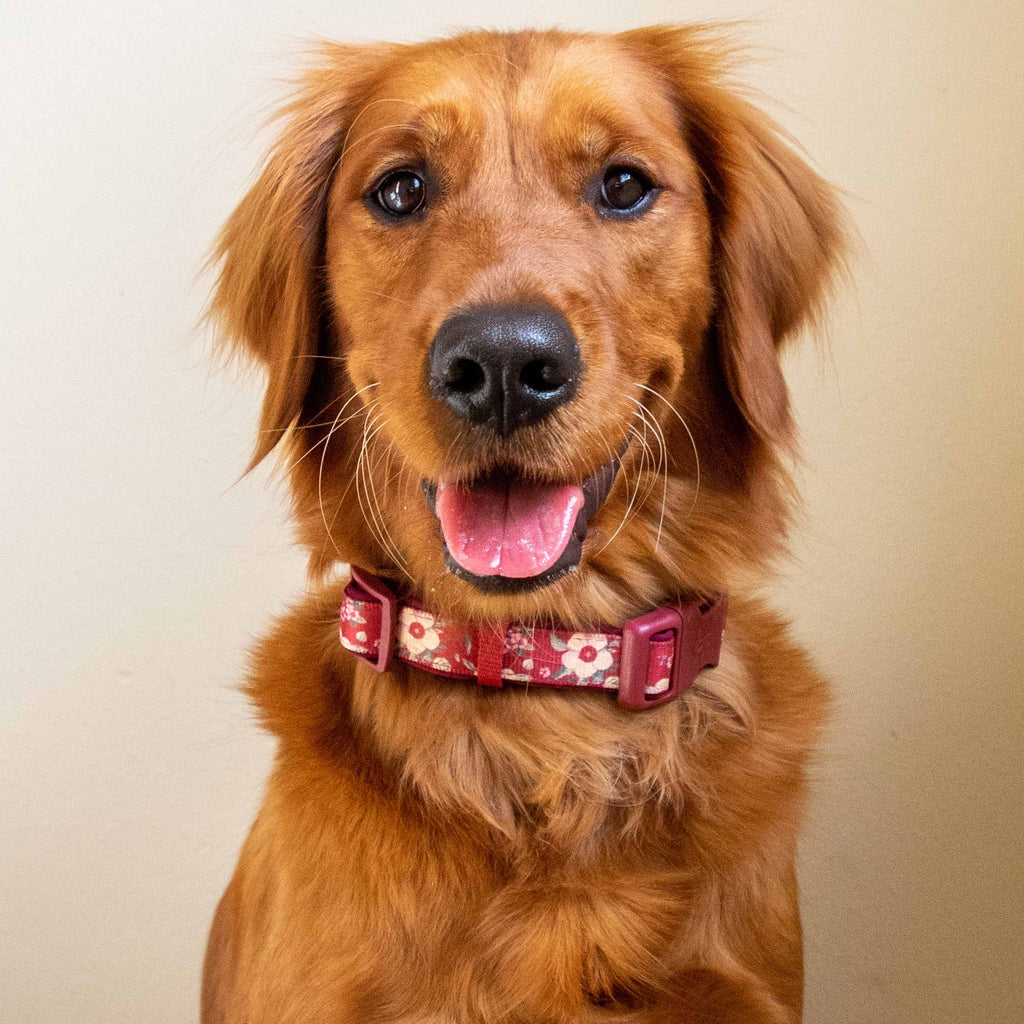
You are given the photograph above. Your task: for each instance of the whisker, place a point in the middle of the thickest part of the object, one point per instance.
(375, 502)
(306, 426)
(323, 458)
(655, 464)
(662, 466)
(368, 517)
(379, 525)
(358, 476)
(689, 434)
(644, 449)
(607, 447)
(323, 440)
(624, 472)
(306, 355)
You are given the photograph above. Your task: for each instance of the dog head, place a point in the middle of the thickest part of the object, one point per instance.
(520, 300)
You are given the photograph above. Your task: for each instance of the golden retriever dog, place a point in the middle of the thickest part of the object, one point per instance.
(519, 299)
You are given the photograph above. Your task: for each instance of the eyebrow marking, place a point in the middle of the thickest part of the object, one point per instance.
(405, 126)
(595, 139)
(363, 110)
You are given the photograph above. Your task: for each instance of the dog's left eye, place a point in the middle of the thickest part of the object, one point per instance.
(400, 193)
(624, 188)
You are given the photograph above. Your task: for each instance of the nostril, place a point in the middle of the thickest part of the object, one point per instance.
(542, 376)
(464, 377)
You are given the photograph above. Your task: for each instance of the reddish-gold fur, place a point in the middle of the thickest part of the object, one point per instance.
(431, 851)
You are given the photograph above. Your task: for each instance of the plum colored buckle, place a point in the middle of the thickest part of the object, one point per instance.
(698, 643)
(379, 591)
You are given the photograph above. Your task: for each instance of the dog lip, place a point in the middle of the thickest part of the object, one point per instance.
(595, 488)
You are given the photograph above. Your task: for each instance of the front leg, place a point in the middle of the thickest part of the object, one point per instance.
(220, 965)
(705, 996)
(750, 953)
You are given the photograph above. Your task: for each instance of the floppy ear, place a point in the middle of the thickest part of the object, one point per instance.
(268, 296)
(777, 228)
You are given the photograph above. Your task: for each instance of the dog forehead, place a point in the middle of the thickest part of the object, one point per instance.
(592, 83)
(551, 91)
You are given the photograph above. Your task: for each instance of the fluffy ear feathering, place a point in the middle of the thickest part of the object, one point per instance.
(777, 230)
(270, 300)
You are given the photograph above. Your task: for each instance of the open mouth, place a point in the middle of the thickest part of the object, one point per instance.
(506, 534)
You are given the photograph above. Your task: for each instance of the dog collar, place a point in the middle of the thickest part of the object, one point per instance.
(649, 661)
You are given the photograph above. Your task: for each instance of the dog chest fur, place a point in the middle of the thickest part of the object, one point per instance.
(575, 876)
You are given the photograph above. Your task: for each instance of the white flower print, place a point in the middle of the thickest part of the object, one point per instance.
(587, 653)
(419, 632)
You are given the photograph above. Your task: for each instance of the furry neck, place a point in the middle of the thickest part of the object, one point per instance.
(567, 769)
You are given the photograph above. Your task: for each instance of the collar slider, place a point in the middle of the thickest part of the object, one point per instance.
(380, 591)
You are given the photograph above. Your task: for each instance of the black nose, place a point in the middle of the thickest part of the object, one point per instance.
(506, 366)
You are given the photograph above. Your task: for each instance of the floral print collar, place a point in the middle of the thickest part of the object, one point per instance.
(647, 662)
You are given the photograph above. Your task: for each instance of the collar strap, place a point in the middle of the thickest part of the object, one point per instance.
(651, 660)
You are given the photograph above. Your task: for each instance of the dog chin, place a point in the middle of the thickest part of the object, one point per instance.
(505, 534)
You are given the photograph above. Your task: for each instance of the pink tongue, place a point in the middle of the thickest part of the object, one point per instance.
(507, 528)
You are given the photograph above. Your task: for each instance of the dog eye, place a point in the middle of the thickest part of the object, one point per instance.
(400, 193)
(624, 188)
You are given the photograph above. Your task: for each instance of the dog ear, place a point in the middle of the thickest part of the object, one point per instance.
(268, 297)
(777, 228)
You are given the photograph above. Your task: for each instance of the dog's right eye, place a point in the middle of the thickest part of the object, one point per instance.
(625, 191)
(400, 193)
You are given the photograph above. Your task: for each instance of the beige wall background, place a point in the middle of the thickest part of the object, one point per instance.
(135, 572)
